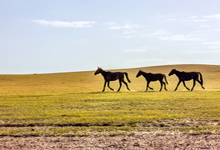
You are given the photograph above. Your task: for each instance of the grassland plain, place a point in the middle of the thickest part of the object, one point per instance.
(69, 104)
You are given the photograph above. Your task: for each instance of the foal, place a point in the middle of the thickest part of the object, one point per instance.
(186, 76)
(153, 77)
(112, 76)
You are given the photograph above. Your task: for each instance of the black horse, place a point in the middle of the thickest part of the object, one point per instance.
(112, 76)
(186, 76)
(153, 77)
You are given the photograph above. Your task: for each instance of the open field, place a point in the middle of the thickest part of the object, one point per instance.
(72, 104)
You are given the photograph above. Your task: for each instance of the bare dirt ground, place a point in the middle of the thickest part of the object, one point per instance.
(114, 142)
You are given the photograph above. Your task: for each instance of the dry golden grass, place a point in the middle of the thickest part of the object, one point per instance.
(54, 104)
(83, 82)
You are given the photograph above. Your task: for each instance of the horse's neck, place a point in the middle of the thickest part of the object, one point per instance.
(104, 73)
(178, 73)
(145, 74)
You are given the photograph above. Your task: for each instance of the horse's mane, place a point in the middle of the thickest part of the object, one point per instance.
(146, 72)
(101, 68)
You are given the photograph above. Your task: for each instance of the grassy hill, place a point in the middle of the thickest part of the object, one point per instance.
(72, 103)
(75, 82)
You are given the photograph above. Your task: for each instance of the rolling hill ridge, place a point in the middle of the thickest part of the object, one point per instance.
(74, 82)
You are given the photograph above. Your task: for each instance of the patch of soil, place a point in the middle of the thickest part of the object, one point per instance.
(181, 141)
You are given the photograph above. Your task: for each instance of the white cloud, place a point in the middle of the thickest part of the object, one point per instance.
(111, 23)
(217, 16)
(182, 37)
(212, 43)
(159, 33)
(216, 30)
(129, 36)
(77, 24)
(186, 20)
(204, 26)
(214, 47)
(115, 26)
(200, 20)
(202, 51)
(142, 49)
(193, 17)
(128, 28)
(129, 32)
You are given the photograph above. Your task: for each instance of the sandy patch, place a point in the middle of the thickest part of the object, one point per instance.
(113, 142)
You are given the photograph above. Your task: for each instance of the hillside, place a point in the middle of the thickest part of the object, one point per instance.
(74, 82)
(69, 109)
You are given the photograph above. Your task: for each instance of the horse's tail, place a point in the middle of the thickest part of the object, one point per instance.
(165, 78)
(201, 80)
(126, 74)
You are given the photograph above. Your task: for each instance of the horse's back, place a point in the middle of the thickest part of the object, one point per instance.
(112, 76)
(154, 77)
(190, 75)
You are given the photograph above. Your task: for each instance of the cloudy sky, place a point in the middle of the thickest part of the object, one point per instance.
(48, 36)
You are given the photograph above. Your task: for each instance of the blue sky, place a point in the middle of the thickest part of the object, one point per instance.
(48, 36)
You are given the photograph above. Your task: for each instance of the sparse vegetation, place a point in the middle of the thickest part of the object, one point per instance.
(70, 104)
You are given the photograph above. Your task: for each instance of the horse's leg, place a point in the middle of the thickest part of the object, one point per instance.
(147, 86)
(109, 86)
(200, 83)
(194, 83)
(161, 85)
(164, 85)
(104, 86)
(185, 86)
(119, 86)
(150, 88)
(201, 80)
(177, 85)
(126, 85)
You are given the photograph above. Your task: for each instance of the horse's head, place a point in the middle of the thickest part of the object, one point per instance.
(99, 70)
(139, 73)
(172, 72)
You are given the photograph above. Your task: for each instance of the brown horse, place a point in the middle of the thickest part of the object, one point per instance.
(112, 76)
(186, 76)
(153, 77)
